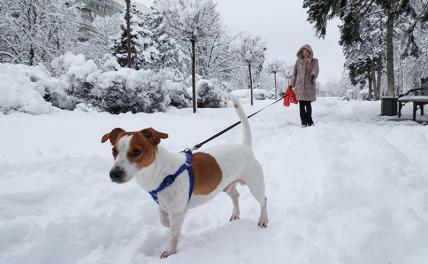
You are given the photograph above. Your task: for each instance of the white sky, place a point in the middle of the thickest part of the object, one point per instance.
(283, 25)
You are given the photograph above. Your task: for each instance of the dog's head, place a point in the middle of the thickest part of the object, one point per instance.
(132, 151)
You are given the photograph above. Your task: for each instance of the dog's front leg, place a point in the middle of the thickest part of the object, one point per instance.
(176, 222)
(164, 218)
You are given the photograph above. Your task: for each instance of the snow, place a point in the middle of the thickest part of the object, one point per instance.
(21, 89)
(417, 98)
(246, 93)
(352, 189)
(70, 66)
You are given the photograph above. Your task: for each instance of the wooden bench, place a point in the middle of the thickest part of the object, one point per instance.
(419, 98)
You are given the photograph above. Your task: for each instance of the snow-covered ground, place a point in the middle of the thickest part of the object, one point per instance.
(352, 189)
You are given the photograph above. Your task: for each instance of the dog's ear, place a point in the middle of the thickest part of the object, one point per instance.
(154, 136)
(112, 136)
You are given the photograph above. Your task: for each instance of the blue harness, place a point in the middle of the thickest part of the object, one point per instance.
(169, 180)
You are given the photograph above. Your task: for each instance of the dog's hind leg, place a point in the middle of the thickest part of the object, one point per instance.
(257, 188)
(164, 218)
(234, 195)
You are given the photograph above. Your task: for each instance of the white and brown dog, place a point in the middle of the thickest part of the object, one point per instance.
(138, 155)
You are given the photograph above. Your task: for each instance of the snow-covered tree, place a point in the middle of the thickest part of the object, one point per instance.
(339, 87)
(274, 68)
(142, 48)
(35, 31)
(215, 57)
(251, 54)
(191, 21)
(100, 41)
(411, 69)
(354, 12)
(364, 58)
(166, 50)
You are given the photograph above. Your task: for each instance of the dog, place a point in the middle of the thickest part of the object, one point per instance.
(138, 155)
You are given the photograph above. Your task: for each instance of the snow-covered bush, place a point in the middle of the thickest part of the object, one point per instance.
(178, 95)
(113, 95)
(72, 71)
(55, 94)
(259, 94)
(128, 90)
(210, 94)
(21, 90)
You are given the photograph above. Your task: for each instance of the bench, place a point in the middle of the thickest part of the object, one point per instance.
(419, 98)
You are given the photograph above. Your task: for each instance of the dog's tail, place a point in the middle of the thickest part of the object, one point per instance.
(244, 121)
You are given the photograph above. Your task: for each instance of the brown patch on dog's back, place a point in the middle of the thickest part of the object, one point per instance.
(207, 173)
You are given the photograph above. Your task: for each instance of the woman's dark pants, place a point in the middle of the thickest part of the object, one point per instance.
(306, 113)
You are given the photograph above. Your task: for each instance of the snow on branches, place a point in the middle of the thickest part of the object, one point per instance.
(35, 31)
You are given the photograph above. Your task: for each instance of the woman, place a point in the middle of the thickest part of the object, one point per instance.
(304, 82)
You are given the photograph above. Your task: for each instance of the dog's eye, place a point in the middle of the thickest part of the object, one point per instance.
(136, 152)
(114, 152)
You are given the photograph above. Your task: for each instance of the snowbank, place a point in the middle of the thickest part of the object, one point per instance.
(21, 89)
(353, 189)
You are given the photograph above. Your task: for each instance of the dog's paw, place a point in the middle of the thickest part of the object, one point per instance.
(167, 253)
(234, 217)
(263, 221)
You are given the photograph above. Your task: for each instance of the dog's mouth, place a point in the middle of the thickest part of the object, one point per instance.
(119, 181)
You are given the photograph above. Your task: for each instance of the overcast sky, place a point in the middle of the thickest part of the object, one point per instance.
(283, 25)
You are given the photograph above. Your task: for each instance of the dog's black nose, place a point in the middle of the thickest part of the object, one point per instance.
(116, 174)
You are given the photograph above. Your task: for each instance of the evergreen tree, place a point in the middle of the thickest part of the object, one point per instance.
(141, 42)
(165, 51)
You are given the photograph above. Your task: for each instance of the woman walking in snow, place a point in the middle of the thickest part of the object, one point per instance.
(304, 82)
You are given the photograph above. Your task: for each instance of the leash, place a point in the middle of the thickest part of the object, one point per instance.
(198, 146)
(187, 166)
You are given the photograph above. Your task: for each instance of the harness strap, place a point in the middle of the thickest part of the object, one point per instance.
(170, 179)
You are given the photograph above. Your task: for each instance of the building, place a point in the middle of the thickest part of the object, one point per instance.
(94, 8)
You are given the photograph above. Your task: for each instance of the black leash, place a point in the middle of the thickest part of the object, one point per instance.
(198, 146)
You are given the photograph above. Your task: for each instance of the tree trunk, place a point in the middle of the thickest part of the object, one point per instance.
(251, 83)
(373, 73)
(193, 40)
(390, 53)
(31, 59)
(276, 87)
(128, 33)
(370, 79)
(379, 77)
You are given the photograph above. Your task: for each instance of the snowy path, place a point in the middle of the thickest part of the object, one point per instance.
(353, 189)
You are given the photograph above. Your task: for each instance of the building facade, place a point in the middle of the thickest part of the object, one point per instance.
(94, 8)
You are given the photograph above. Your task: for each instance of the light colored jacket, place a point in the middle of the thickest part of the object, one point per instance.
(301, 80)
